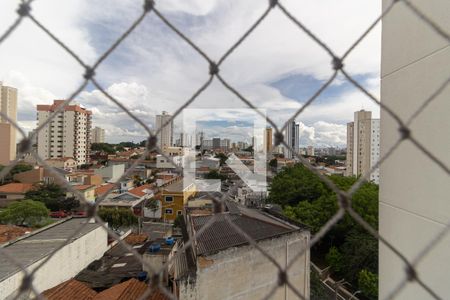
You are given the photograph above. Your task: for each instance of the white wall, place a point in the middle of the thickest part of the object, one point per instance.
(244, 273)
(414, 191)
(64, 265)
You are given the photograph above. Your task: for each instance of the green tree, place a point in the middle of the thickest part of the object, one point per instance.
(25, 212)
(19, 168)
(334, 259)
(222, 156)
(177, 222)
(105, 147)
(52, 195)
(118, 217)
(295, 184)
(213, 174)
(273, 163)
(368, 284)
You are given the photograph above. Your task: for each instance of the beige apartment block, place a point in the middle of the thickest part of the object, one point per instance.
(165, 136)
(8, 107)
(98, 135)
(414, 190)
(67, 135)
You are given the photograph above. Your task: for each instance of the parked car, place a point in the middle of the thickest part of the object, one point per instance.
(58, 214)
(79, 214)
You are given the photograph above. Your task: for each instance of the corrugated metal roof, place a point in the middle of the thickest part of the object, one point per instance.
(40, 244)
(222, 235)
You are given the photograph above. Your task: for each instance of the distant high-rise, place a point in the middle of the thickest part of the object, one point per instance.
(225, 144)
(98, 135)
(363, 145)
(310, 151)
(67, 134)
(292, 138)
(268, 140)
(8, 107)
(165, 136)
(216, 143)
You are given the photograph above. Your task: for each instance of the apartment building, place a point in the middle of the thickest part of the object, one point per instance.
(363, 145)
(8, 107)
(66, 135)
(268, 140)
(165, 136)
(292, 139)
(98, 135)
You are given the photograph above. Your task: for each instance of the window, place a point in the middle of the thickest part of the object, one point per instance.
(168, 211)
(179, 212)
(2, 196)
(169, 198)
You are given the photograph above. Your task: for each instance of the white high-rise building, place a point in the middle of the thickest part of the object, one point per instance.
(292, 138)
(98, 135)
(375, 149)
(363, 145)
(165, 136)
(8, 107)
(67, 134)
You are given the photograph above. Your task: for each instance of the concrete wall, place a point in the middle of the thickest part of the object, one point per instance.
(244, 273)
(414, 191)
(64, 265)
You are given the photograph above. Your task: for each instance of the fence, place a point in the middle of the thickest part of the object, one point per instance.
(24, 10)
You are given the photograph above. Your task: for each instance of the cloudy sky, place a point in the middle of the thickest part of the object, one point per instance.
(277, 67)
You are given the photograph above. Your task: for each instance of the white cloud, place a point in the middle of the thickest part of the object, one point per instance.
(154, 70)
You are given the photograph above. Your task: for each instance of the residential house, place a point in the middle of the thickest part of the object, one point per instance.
(174, 198)
(87, 190)
(134, 201)
(105, 188)
(13, 191)
(66, 163)
(111, 173)
(87, 241)
(222, 264)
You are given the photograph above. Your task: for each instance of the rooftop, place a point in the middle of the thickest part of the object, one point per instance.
(75, 290)
(41, 243)
(221, 235)
(16, 188)
(176, 187)
(83, 187)
(140, 190)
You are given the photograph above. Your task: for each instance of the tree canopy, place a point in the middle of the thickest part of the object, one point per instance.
(19, 168)
(25, 212)
(347, 247)
(53, 196)
(118, 217)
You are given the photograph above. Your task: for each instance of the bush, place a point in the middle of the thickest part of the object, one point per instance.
(368, 284)
(118, 217)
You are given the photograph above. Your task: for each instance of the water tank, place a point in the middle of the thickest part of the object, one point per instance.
(142, 276)
(170, 241)
(155, 247)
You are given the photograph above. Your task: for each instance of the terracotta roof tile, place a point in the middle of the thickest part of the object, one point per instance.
(71, 289)
(103, 189)
(132, 289)
(139, 191)
(83, 187)
(16, 188)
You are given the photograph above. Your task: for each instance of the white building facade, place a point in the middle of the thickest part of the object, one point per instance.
(98, 135)
(67, 134)
(165, 136)
(414, 191)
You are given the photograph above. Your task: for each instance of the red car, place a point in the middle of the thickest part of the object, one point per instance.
(79, 214)
(58, 214)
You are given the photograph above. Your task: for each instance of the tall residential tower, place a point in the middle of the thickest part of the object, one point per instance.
(363, 145)
(66, 135)
(292, 138)
(8, 107)
(165, 136)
